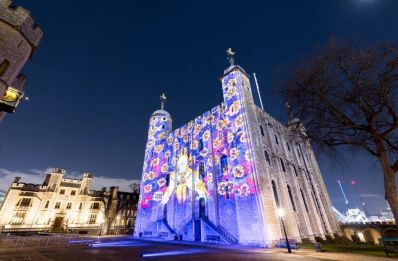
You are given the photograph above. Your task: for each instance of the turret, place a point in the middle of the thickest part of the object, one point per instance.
(20, 37)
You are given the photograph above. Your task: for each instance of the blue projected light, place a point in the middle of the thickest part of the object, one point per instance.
(175, 252)
(123, 243)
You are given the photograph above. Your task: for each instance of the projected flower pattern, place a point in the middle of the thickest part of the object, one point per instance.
(201, 142)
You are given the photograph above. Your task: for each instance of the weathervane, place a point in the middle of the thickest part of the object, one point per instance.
(163, 99)
(231, 57)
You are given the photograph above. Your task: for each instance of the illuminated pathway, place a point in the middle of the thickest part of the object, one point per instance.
(127, 248)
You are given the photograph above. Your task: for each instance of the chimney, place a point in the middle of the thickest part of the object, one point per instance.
(17, 179)
(103, 189)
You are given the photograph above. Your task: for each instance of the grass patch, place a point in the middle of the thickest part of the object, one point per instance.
(366, 249)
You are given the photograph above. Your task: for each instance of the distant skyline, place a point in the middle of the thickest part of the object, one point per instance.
(96, 77)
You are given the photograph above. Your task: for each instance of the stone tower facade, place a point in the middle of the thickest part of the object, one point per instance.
(222, 176)
(19, 37)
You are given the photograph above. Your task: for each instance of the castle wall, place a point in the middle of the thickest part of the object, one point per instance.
(212, 176)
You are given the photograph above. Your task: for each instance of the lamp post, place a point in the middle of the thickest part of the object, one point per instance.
(281, 213)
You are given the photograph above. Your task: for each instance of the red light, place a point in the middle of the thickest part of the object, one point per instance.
(353, 182)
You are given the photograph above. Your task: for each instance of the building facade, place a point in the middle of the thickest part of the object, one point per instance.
(63, 205)
(223, 175)
(19, 37)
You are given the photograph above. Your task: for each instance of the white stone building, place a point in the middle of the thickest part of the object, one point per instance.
(59, 204)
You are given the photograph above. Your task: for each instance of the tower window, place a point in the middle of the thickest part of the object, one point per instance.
(283, 165)
(224, 163)
(73, 192)
(267, 158)
(47, 203)
(69, 205)
(200, 145)
(288, 147)
(62, 192)
(262, 130)
(57, 205)
(276, 139)
(305, 202)
(291, 198)
(163, 127)
(80, 205)
(295, 170)
(167, 180)
(275, 193)
(201, 170)
(4, 67)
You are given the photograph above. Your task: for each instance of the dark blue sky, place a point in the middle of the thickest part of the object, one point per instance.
(97, 76)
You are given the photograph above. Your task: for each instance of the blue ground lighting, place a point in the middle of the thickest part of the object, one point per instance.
(175, 252)
(122, 243)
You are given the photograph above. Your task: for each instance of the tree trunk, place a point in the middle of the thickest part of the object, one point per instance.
(390, 186)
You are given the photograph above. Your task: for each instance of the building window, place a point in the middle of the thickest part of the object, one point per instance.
(18, 218)
(267, 158)
(25, 202)
(283, 165)
(305, 202)
(224, 164)
(4, 67)
(95, 205)
(69, 205)
(200, 145)
(276, 139)
(62, 192)
(167, 179)
(47, 203)
(295, 170)
(73, 192)
(80, 206)
(92, 219)
(275, 193)
(262, 130)
(291, 198)
(288, 146)
(201, 170)
(57, 205)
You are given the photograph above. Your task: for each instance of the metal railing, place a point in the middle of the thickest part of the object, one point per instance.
(8, 240)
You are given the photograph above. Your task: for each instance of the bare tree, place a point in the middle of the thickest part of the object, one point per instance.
(347, 95)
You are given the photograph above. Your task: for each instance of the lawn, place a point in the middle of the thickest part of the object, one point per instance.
(368, 249)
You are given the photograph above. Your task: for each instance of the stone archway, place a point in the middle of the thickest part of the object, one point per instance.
(371, 235)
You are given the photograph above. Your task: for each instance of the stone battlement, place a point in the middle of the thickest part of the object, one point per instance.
(21, 20)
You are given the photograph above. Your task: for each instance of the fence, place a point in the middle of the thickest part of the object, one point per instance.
(43, 240)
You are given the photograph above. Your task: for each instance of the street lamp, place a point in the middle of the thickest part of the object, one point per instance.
(281, 213)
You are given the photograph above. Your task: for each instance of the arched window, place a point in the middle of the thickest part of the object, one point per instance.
(4, 67)
(283, 165)
(201, 170)
(305, 202)
(224, 163)
(295, 170)
(276, 139)
(200, 145)
(261, 130)
(267, 158)
(291, 198)
(275, 193)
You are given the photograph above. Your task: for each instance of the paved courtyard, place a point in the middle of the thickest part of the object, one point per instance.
(128, 248)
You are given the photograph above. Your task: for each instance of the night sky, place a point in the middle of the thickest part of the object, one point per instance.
(98, 73)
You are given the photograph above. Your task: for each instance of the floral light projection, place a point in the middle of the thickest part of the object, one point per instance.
(172, 159)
